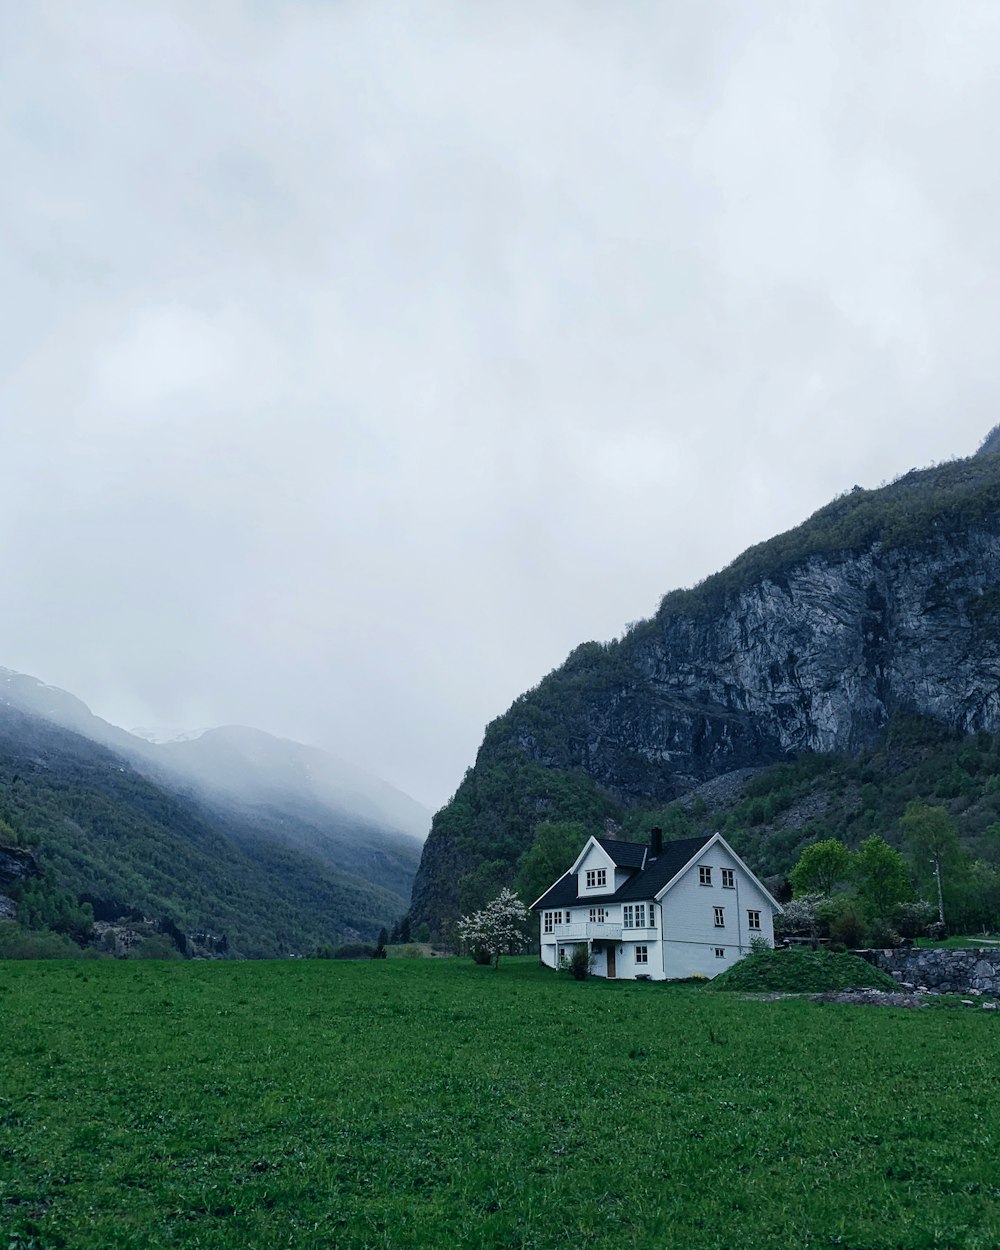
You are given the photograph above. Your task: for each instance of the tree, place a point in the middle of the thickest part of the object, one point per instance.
(556, 845)
(820, 868)
(477, 887)
(882, 877)
(800, 917)
(495, 929)
(933, 840)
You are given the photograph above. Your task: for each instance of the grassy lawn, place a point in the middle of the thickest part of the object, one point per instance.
(958, 943)
(426, 1103)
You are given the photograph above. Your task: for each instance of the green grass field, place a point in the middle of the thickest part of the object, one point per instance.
(426, 1103)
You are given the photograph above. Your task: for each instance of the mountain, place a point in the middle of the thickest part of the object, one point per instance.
(279, 844)
(233, 760)
(882, 607)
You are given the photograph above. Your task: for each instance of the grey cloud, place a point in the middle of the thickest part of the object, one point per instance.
(357, 361)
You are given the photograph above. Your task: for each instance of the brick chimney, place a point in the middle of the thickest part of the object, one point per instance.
(655, 841)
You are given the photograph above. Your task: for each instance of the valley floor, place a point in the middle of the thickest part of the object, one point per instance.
(425, 1103)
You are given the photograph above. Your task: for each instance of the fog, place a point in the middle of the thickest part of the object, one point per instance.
(358, 360)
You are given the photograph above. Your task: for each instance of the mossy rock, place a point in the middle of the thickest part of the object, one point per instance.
(800, 971)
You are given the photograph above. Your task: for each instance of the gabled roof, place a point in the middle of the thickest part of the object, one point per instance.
(641, 884)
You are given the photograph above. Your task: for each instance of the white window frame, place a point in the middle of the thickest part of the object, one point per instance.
(720, 917)
(598, 915)
(728, 879)
(720, 952)
(547, 922)
(597, 878)
(753, 920)
(642, 954)
(704, 874)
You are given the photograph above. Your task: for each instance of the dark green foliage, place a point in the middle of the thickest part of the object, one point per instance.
(41, 904)
(417, 1104)
(844, 920)
(821, 868)
(355, 950)
(18, 943)
(800, 971)
(556, 845)
(579, 963)
(476, 888)
(156, 946)
(882, 877)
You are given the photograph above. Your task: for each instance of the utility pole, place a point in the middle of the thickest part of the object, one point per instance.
(937, 873)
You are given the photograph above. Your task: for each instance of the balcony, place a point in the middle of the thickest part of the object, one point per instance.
(581, 930)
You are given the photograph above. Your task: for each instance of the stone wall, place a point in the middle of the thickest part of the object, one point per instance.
(948, 971)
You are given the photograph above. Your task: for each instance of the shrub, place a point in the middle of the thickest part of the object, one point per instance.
(580, 962)
(156, 946)
(800, 917)
(355, 950)
(912, 919)
(845, 922)
(15, 943)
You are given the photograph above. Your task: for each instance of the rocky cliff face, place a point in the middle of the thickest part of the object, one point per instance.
(17, 863)
(816, 659)
(811, 643)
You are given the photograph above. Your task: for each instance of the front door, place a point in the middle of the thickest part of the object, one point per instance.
(611, 962)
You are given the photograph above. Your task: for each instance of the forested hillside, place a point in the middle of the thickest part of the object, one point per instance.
(104, 831)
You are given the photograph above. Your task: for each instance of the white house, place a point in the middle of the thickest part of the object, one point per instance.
(665, 910)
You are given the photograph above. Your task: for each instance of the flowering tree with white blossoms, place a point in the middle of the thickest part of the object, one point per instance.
(487, 934)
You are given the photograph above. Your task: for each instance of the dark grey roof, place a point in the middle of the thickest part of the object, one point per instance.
(625, 854)
(642, 884)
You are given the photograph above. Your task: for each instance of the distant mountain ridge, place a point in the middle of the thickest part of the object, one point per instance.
(233, 759)
(885, 603)
(279, 843)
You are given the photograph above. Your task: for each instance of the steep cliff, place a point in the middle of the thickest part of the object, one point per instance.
(884, 603)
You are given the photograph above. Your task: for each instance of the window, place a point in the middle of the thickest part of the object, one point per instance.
(720, 917)
(753, 919)
(598, 915)
(597, 878)
(720, 952)
(652, 917)
(547, 925)
(728, 879)
(634, 916)
(704, 875)
(642, 954)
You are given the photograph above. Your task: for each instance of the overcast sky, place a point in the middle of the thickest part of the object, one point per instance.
(358, 360)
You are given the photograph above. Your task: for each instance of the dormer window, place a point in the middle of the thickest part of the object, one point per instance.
(597, 878)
